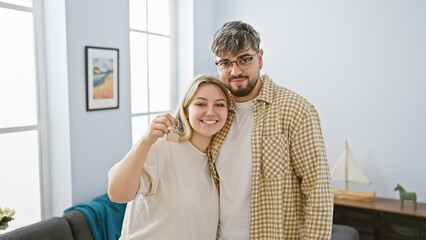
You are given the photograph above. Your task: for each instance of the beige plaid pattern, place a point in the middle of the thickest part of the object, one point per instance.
(291, 193)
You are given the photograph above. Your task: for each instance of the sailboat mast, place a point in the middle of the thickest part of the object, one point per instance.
(346, 164)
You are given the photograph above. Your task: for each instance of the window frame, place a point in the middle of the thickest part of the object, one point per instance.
(172, 65)
(41, 103)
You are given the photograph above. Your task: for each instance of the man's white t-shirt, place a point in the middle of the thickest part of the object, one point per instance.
(234, 167)
(177, 198)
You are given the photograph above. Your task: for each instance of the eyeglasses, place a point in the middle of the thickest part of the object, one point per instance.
(243, 63)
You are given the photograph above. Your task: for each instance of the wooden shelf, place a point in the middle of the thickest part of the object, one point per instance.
(386, 205)
(382, 219)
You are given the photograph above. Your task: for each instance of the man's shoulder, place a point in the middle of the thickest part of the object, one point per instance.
(288, 106)
(285, 98)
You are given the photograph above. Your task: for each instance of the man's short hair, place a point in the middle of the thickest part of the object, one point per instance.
(234, 37)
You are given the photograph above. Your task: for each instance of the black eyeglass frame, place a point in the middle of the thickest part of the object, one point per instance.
(236, 61)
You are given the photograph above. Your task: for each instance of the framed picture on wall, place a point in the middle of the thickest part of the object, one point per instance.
(101, 78)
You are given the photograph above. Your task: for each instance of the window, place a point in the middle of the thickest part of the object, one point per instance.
(150, 62)
(20, 135)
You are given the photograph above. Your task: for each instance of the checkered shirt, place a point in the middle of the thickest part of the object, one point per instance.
(291, 191)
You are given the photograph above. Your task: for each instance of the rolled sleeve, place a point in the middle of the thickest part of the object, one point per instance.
(149, 175)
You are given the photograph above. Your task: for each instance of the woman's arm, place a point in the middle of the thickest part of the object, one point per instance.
(124, 179)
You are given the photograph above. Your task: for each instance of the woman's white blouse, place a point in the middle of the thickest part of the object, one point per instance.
(177, 198)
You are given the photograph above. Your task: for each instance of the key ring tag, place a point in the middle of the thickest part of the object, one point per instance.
(173, 135)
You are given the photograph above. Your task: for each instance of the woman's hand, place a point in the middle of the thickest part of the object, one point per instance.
(159, 127)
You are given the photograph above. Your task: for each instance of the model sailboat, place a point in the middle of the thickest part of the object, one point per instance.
(348, 170)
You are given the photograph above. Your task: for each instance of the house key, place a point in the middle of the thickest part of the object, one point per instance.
(173, 135)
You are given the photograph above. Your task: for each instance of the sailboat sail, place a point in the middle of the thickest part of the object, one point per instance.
(347, 168)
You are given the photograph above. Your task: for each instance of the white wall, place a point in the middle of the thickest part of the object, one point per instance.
(57, 182)
(98, 138)
(362, 64)
(204, 27)
(84, 145)
(184, 45)
(195, 28)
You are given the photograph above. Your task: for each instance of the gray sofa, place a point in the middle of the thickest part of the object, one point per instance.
(72, 225)
(105, 219)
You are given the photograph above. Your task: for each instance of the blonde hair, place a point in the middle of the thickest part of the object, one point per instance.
(184, 128)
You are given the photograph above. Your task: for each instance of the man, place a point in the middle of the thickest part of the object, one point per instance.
(270, 164)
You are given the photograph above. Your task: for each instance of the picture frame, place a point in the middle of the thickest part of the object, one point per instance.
(102, 78)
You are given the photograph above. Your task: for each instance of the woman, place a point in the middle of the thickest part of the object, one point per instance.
(168, 185)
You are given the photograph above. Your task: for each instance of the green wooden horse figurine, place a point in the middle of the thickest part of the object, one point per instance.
(403, 195)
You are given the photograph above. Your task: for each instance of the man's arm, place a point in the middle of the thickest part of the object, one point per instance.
(310, 163)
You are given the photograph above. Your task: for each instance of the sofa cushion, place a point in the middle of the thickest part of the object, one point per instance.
(55, 228)
(342, 232)
(104, 217)
(79, 226)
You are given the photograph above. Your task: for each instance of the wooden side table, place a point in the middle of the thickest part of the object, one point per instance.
(382, 219)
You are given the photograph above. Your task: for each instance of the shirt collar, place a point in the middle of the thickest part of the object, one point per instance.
(267, 91)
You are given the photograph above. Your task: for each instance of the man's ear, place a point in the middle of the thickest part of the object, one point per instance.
(260, 54)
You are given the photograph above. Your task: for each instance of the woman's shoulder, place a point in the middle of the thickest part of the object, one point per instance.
(164, 147)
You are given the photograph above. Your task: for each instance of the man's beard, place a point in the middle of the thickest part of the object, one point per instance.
(240, 91)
